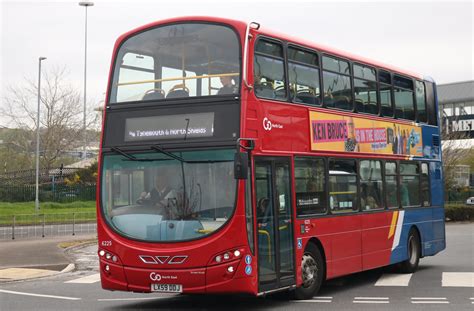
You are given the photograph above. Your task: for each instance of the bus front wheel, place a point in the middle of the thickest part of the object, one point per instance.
(312, 271)
(414, 251)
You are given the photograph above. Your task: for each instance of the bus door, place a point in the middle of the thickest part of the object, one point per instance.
(276, 268)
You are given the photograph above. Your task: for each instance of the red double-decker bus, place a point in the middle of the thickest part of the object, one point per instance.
(238, 160)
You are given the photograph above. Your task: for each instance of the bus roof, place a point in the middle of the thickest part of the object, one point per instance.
(241, 26)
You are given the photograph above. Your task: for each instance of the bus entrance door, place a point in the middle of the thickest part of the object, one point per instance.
(276, 268)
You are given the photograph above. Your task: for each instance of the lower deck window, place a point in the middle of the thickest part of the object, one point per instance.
(342, 186)
(310, 181)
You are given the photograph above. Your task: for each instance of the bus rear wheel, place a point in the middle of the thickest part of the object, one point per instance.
(312, 271)
(414, 252)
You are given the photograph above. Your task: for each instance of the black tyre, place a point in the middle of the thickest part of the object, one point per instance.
(414, 252)
(312, 266)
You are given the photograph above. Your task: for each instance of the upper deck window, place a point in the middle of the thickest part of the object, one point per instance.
(365, 89)
(269, 71)
(403, 93)
(303, 74)
(337, 83)
(177, 61)
(385, 80)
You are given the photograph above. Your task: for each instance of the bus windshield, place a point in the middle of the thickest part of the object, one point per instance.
(177, 61)
(155, 197)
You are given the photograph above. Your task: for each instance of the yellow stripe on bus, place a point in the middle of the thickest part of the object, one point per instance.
(393, 226)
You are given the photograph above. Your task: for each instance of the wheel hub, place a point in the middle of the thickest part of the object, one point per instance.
(309, 269)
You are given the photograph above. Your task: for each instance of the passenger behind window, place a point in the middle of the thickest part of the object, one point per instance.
(228, 86)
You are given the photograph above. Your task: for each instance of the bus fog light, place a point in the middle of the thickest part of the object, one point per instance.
(226, 256)
(101, 253)
(107, 268)
(218, 258)
(237, 253)
(230, 269)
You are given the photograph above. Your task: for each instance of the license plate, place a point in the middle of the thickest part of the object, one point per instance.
(167, 288)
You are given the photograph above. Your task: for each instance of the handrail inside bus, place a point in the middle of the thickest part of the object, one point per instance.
(232, 74)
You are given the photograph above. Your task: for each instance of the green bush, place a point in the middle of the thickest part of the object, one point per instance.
(459, 212)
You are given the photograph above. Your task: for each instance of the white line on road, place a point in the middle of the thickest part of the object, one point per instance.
(327, 297)
(371, 298)
(394, 280)
(313, 300)
(458, 279)
(93, 278)
(37, 295)
(428, 298)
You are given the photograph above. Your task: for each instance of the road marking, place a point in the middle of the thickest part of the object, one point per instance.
(93, 278)
(371, 300)
(394, 280)
(320, 297)
(130, 299)
(458, 279)
(429, 300)
(38, 295)
(313, 300)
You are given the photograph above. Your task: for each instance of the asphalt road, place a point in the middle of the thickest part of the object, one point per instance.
(443, 282)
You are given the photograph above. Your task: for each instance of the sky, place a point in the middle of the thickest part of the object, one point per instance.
(433, 38)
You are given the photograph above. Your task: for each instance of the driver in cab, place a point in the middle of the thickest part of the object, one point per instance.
(161, 195)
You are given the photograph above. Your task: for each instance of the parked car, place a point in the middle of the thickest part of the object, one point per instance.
(470, 201)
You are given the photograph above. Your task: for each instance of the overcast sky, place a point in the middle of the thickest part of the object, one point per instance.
(431, 38)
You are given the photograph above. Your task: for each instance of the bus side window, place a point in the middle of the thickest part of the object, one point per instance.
(337, 83)
(403, 94)
(425, 185)
(303, 75)
(421, 102)
(385, 92)
(391, 185)
(431, 104)
(409, 184)
(365, 89)
(269, 72)
(343, 186)
(310, 185)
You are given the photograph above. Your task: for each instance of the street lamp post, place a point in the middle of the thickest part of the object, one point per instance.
(37, 207)
(84, 129)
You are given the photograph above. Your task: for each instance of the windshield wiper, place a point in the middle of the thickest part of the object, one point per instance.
(131, 157)
(169, 154)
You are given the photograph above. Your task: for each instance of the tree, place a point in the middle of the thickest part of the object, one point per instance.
(455, 152)
(61, 123)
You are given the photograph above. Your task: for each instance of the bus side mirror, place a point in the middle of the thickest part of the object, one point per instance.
(241, 165)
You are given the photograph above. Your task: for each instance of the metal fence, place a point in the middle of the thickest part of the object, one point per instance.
(48, 193)
(47, 225)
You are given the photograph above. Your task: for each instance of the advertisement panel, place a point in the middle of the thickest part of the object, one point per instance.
(332, 132)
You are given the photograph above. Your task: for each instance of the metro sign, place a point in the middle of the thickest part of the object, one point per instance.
(461, 124)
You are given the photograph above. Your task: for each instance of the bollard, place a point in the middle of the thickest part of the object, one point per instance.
(43, 225)
(13, 228)
(73, 222)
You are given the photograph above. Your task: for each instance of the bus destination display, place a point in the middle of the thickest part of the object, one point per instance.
(182, 126)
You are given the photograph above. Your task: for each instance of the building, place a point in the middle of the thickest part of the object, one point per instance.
(456, 101)
(456, 105)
